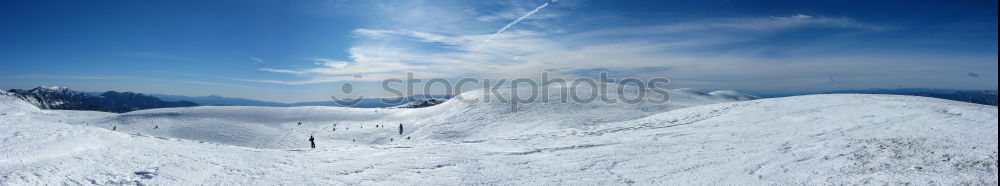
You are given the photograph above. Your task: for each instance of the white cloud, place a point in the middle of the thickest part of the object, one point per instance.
(452, 48)
(332, 63)
(460, 55)
(255, 59)
(373, 33)
(282, 71)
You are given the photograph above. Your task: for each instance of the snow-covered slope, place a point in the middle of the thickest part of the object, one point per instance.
(250, 126)
(486, 115)
(454, 120)
(11, 104)
(697, 138)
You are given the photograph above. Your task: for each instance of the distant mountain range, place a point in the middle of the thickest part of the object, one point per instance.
(61, 98)
(986, 97)
(215, 100)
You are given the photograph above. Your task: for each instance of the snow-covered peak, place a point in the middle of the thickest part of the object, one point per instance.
(731, 94)
(53, 89)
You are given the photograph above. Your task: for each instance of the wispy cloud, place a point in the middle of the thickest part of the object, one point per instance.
(360, 64)
(332, 63)
(703, 52)
(525, 53)
(282, 71)
(518, 20)
(255, 59)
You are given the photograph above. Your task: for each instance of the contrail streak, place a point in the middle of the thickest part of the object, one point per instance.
(519, 19)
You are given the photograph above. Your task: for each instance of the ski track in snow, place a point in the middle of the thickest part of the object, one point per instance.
(699, 138)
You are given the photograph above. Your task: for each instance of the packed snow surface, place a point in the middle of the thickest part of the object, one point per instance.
(696, 138)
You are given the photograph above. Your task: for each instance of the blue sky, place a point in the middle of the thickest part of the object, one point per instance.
(290, 51)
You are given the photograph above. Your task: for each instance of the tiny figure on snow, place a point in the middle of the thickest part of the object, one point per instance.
(312, 141)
